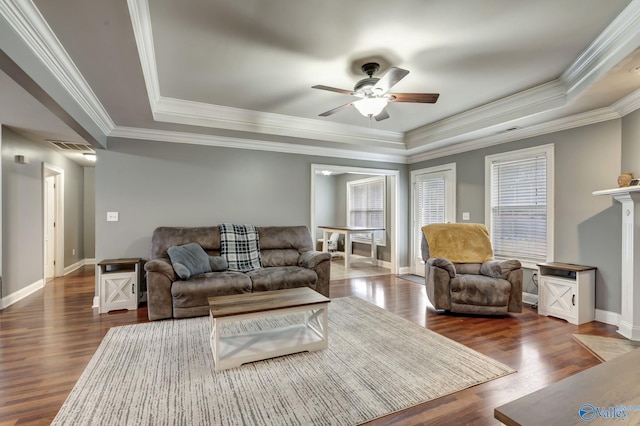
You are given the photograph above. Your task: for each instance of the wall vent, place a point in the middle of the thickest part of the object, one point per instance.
(72, 146)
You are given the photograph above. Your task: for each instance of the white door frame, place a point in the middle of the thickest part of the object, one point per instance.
(58, 175)
(393, 175)
(49, 212)
(451, 206)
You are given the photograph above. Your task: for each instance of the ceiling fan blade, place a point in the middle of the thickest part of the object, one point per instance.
(332, 89)
(424, 98)
(388, 80)
(333, 111)
(382, 116)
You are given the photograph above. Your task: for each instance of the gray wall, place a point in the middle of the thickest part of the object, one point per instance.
(155, 184)
(631, 143)
(587, 228)
(22, 220)
(326, 200)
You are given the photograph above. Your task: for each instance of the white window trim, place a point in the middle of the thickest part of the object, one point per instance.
(383, 241)
(548, 151)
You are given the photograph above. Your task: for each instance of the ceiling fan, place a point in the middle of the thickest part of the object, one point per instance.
(373, 93)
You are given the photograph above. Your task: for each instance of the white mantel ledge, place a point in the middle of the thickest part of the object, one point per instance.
(618, 191)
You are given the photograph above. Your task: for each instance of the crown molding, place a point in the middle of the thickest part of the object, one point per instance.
(27, 21)
(201, 114)
(565, 123)
(252, 144)
(538, 99)
(140, 19)
(628, 104)
(619, 39)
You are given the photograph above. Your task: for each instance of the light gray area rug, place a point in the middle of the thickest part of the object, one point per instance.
(606, 348)
(161, 373)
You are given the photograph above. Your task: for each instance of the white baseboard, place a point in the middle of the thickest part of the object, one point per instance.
(384, 264)
(79, 264)
(530, 298)
(96, 302)
(21, 294)
(611, 318)
(404, 270)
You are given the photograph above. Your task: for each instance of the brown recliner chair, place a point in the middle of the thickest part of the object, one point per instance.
(462, 276)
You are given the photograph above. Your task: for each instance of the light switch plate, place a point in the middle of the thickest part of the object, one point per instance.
(465, 216)
(112, 216)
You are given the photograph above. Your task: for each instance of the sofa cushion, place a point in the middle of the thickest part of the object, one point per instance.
(195, 291)
(218, 263)
(279, 257)
(499, 268)
(285, 237)
(282, 277)
(468, 268)
(480, 290)
(491, 268)
(189, 259)
(167, 236)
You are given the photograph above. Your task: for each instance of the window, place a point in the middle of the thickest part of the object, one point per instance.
(433, 201)
(366, 200)
(519, 190)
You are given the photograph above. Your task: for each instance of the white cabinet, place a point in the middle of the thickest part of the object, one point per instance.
(119, 284)
(567, 291)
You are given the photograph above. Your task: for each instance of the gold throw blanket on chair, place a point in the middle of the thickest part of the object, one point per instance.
(459, 242)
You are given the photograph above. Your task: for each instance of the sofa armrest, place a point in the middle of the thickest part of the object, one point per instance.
(311, 259)
(439, 262)
(160, 276)
(515, 300)
(162, 267)
(437, 282)
(320, 262)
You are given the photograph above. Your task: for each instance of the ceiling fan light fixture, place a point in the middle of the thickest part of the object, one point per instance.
(370, 106)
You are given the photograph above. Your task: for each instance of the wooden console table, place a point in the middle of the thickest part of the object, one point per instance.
(348, 231)
(607, 389)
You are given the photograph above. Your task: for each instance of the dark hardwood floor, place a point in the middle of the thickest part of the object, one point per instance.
(48, 338)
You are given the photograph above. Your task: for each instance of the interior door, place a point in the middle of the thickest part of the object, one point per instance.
(433, 201)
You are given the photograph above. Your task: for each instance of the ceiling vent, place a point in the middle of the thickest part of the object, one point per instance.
(71, 146)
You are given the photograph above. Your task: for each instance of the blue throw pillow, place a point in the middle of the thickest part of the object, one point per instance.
(189, 259)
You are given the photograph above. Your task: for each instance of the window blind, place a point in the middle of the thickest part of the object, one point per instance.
(366, 206)
(519, 208)
(430, 203)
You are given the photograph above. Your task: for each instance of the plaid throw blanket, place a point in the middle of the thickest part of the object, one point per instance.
(239, 245)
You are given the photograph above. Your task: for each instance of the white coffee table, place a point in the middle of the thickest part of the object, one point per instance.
(311, 334)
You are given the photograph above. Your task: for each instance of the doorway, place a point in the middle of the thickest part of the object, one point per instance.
(393, 178)
(53, 221)
(433, 201)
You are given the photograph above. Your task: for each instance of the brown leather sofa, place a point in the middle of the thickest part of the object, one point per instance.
(288, 260)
